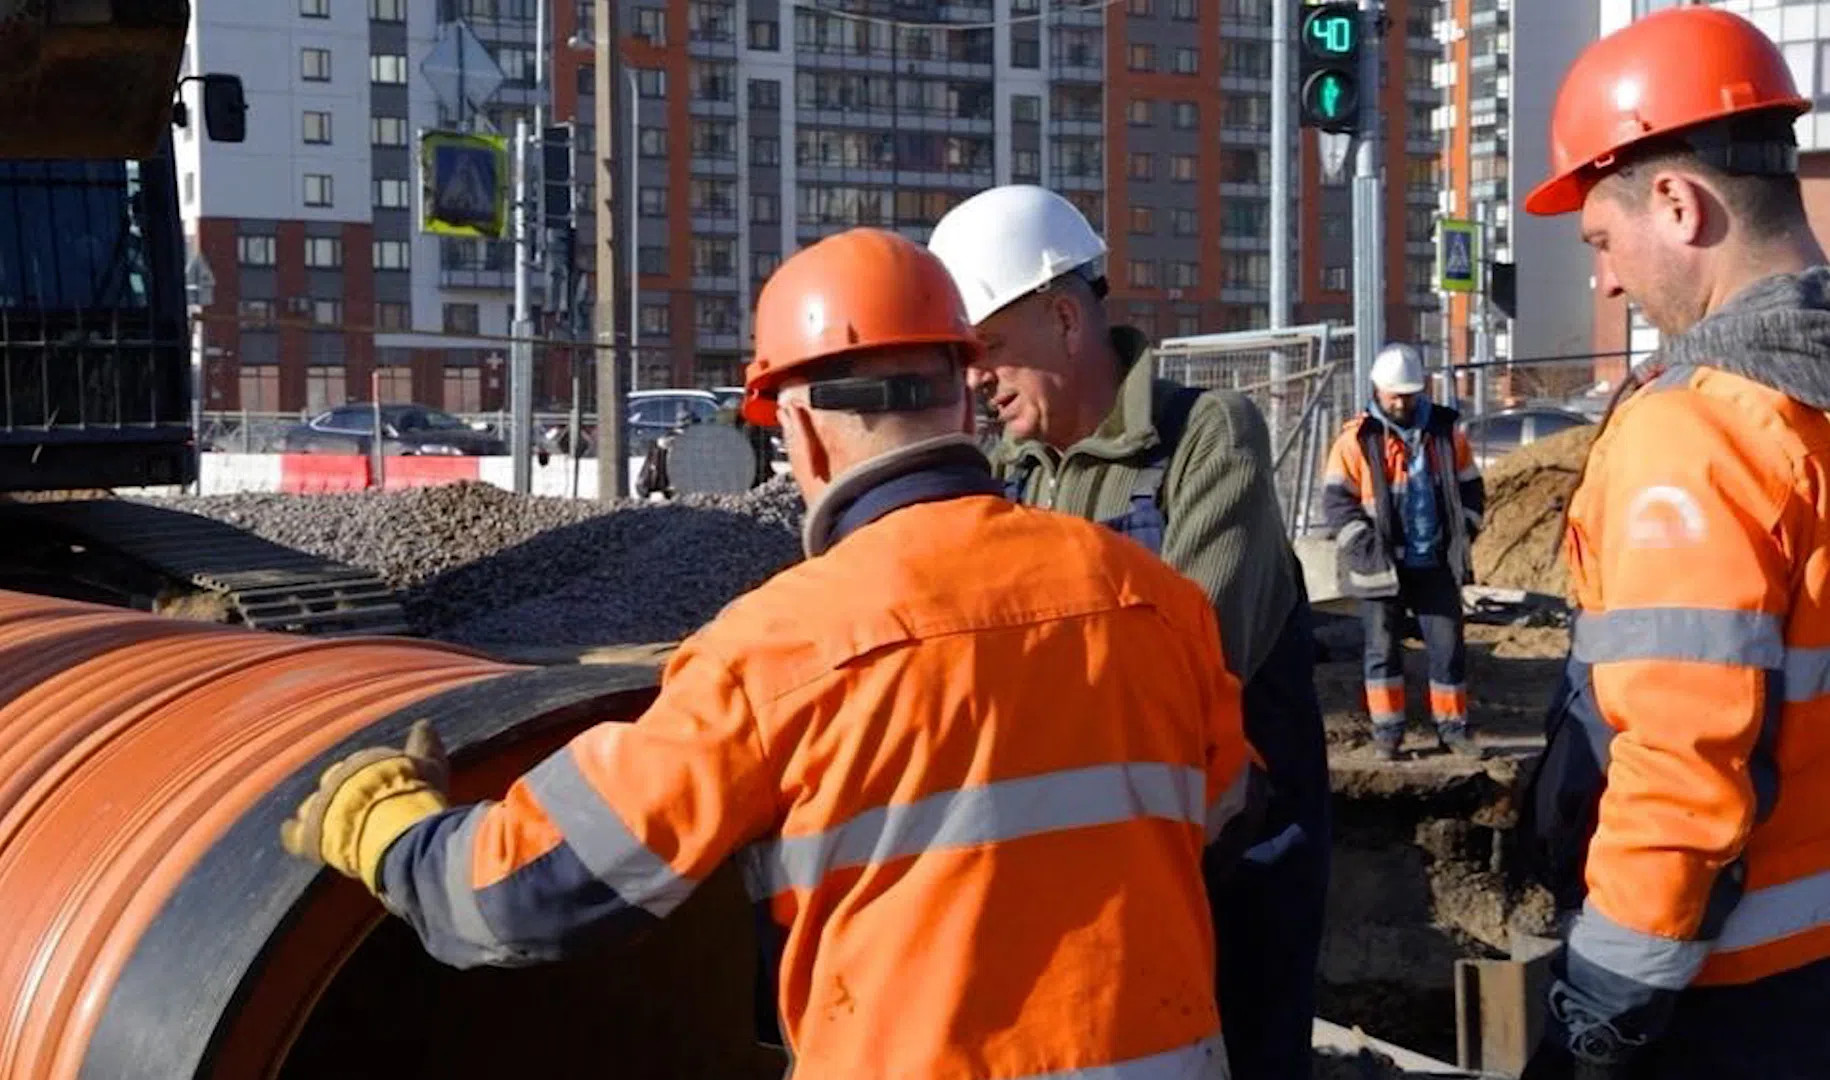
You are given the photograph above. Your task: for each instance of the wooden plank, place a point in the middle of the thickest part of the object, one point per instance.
(1499, 1012)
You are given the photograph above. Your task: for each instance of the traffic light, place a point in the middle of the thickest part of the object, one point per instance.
(556, 176)
(1329, 41)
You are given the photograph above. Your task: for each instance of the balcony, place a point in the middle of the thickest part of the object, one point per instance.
(475, 265)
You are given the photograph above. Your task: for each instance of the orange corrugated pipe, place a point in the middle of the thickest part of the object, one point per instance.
(130, 747)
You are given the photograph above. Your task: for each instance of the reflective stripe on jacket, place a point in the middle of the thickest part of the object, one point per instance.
(971, 756)
(1686, 790)
(1360, 503)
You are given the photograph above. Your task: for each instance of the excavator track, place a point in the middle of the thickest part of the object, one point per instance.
(263, 585)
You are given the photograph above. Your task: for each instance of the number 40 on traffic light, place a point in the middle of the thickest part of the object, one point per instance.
(1329, 44)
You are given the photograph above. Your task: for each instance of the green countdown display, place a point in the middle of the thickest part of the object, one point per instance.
(1331, 34)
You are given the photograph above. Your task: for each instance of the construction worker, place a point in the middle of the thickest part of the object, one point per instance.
(1682, 808)
(973, 754)
(1404, 501)
(1089, 429)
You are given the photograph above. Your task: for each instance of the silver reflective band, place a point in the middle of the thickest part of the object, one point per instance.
(460, 898)
(964, 817)
(1778, 911)
(1205, 1060)
(1659, 962)
(1702, 635)
(600, 839)
(1351, 532)
(1807, 674)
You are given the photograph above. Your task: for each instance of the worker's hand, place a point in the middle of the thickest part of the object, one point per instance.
(366, 801)
(1553, 1061)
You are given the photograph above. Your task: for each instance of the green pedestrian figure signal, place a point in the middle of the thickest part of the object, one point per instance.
(1330, 40)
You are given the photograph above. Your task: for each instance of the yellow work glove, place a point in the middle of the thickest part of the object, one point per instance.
(366, 801)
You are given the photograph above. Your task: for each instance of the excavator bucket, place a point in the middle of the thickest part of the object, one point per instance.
(88, 78)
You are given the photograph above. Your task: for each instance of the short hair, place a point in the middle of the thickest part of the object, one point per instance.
(1767, 204)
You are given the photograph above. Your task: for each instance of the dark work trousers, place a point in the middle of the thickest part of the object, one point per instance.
(1434, 596)
(1268, 907)
(1771, 1029)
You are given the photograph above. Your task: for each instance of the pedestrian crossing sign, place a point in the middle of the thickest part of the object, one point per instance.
(464, 184)
(1457, 256)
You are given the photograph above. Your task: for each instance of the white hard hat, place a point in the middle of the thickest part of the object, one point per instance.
(1398, 369)
(1006, 242)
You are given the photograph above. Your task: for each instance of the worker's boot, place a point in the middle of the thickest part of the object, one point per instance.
(1455, 739)
(1385, 744)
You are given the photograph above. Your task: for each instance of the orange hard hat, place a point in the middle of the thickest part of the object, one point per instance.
(1672, 70)
(861, 289)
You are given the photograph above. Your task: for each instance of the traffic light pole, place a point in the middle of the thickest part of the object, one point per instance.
(1368, 212)
(1281, 145)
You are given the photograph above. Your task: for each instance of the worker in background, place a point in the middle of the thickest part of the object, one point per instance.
(1404, 501)
(973, 754)
(1683, 804)
(1089, 429)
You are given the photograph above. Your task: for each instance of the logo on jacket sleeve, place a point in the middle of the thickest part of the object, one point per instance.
(1665, 516)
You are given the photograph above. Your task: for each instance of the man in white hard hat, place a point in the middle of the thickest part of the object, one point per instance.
(1088, 429)
(1404, 499)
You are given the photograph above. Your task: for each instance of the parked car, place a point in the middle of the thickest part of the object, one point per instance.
(651, 414)
(405, 429)
(1497, 434)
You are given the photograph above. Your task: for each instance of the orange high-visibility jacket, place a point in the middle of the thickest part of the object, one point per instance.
(1365, 478)
(971, 758)
(1686, 790)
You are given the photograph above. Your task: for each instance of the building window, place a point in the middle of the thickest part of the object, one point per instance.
(765, 35)
(1025, 53)
(651, 25)
(653, 202)
(714, 82)
(393, 194)
(1141, 112)
(653, 142)
(318, 189)
(765, 150)
(462, 318)
(1183, 9)
(391, 255)
(393, 11)
(1245, 217)
(516, 62)
(651, 82)
(1138, 7)
(1340, 226)
(394, 383)
(1025, 7)
(1335, 278)
(323, 252)
(327, 312)
(314, 9)
(657, 319)
(1140, 166)
(715, 314)
(387, 131)
(1141, 58)
(714, 139)
(1182, 168)
(1185, 61)
(256, 312)
(1026, 108)
(1185, 115)
(1184, 222)
(1143, 220)
(390, 315)
(714, 256)
(763, 263)
(587, 80)
(708, 21)
(765, 208)
(651, 259)
(1141, 273)
(716, 197)
(1184, 275)
(463, 389)
(1247, 111)
(323, 388)
(1025, 165)
(1188, 325)
(1242, 166)
(314, 65)
(765, 94)
(316, 127)
(388, 68)
(1245, 270)
(259, 386)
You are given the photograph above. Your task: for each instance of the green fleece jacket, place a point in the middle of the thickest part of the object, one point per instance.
(1225, 529)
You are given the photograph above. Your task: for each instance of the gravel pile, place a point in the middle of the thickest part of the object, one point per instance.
(478, 565)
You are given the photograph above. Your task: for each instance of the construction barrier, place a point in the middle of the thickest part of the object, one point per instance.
(320, 474)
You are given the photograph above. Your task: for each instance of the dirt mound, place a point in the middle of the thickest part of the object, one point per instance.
(1527, 493)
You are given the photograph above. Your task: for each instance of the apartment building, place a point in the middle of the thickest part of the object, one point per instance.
(1497, 75)
(1803, 33)
(311, 227)
(760, 126)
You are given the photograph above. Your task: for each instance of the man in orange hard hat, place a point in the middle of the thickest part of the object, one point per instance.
(973, 754)
(1682, 808)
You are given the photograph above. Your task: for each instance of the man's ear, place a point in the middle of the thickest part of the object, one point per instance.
(805, 448)
(1680, 206)
(1070, 321)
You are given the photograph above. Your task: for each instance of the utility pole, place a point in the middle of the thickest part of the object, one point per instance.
(616, 177)
(1281, 143)
(1368, 211)
(521, 355)
(1480, 308)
